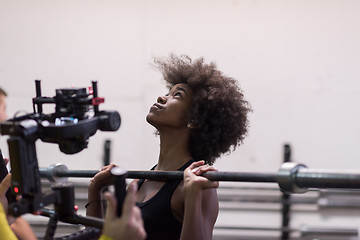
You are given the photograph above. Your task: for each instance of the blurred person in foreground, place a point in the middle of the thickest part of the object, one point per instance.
(128, 227)
(19, 225)
(3, 115)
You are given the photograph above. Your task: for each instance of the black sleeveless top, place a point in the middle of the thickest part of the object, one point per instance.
(159, 221)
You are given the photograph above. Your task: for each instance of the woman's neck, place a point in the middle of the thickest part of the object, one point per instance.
(174, 151)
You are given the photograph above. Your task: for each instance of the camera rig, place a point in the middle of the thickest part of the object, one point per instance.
(71, 126)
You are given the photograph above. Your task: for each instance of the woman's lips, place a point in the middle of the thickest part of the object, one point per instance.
(157, 105)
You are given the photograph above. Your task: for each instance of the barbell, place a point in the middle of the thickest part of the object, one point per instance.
(291, 177)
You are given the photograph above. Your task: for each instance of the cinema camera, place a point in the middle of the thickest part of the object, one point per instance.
(70, 127)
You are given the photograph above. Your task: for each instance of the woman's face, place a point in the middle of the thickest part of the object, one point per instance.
(172, 110)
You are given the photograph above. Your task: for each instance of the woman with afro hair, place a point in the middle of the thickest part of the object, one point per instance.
(203, 116)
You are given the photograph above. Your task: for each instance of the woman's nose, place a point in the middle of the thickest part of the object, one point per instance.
(161, 99)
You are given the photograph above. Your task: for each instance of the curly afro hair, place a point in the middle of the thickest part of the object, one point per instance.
(219, 111)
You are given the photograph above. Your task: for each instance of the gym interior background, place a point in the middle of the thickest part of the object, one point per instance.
(297, 62)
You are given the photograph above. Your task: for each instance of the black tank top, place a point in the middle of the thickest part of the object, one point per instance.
(159, 221)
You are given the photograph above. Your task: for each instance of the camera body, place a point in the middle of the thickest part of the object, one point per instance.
(70, 126)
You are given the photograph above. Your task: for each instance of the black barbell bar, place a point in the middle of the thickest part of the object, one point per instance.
(59, 171)
(291, 177)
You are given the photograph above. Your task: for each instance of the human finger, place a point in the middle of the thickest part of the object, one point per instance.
(130, 199)
(137, 214)
(5, 184)
(202, 169)
(139, 221)
(111, 211)
(107, 167)
(103, 177)
(196, 164)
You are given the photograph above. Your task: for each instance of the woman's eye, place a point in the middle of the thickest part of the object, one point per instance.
(177, 94)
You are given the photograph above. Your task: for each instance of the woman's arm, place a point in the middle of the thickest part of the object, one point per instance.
(201, 203)
(102, 179)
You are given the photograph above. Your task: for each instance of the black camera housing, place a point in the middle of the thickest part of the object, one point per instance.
(70, 127)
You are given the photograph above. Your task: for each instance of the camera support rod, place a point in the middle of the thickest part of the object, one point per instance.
(291, 177)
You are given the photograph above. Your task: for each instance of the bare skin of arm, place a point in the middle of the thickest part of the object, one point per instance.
(200, 203)
(100, 180)
(194, 203)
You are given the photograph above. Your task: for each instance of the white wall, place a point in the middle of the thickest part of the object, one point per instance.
(297, 61)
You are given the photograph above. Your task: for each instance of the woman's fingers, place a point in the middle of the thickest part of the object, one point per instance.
(107, 167)
(193, 177)
(102, 178)
(202, 169)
